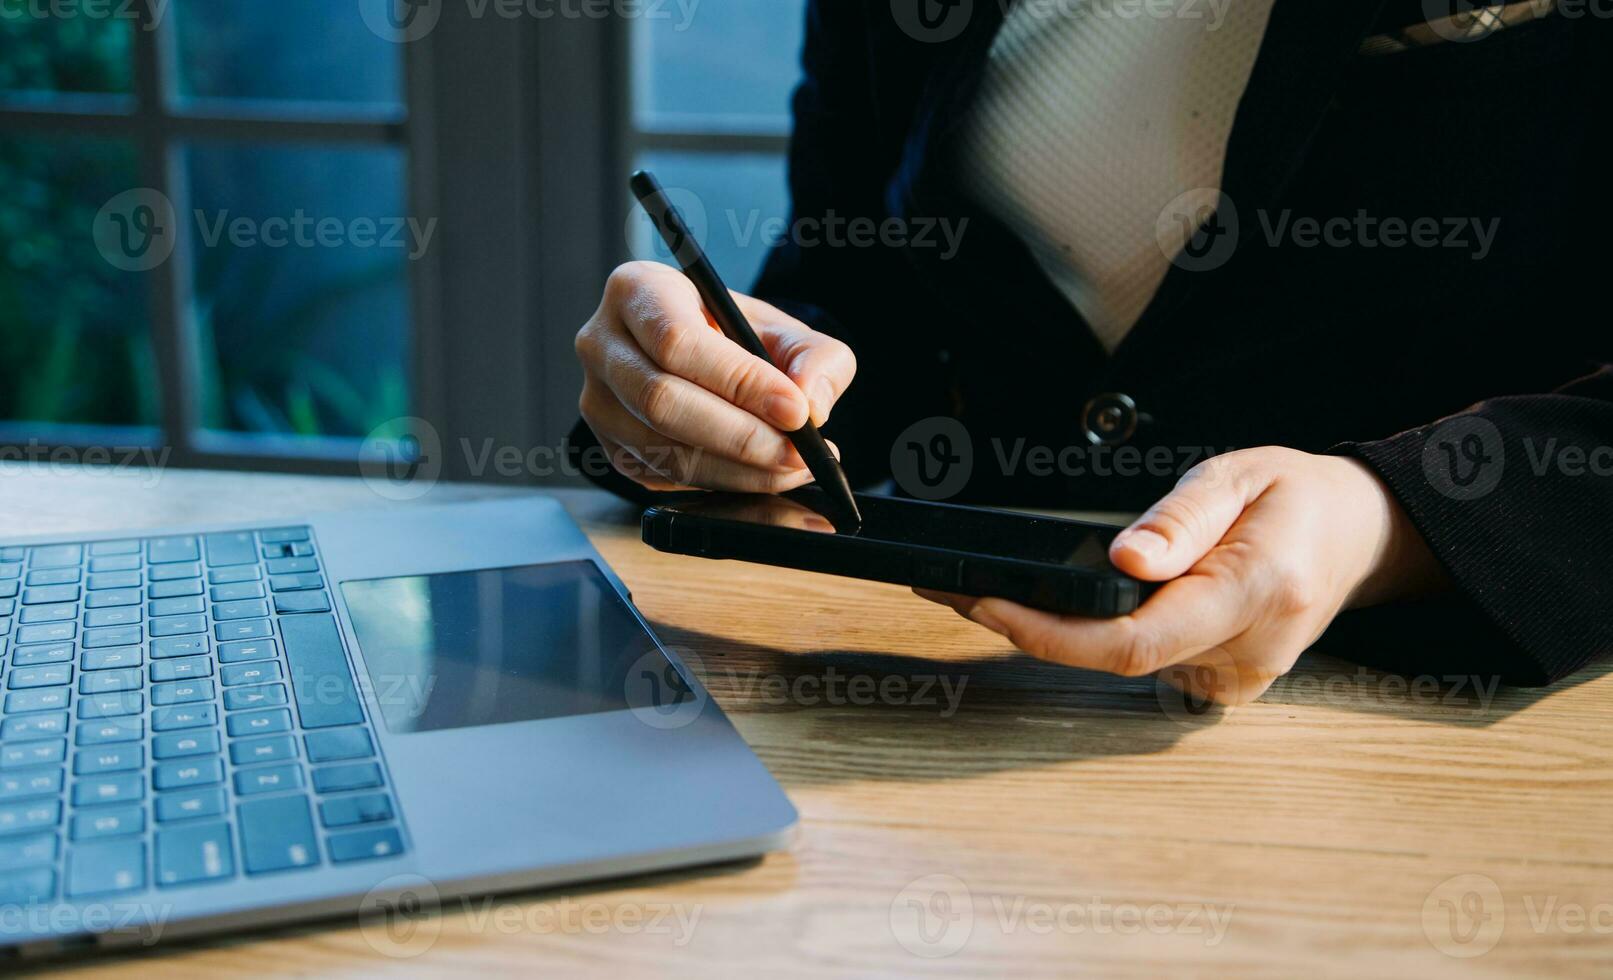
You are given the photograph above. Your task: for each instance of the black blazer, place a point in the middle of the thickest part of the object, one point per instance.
(1350, 349)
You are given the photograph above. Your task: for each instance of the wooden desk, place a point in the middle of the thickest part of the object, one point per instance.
(1075, 826)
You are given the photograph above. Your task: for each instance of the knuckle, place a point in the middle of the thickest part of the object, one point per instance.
(1290, 591)
(1138, 656)
(657, 399)
(665, 337)
(751, 444)
(745, 377)
(587, 343)
(623, 282)
(1181, 517)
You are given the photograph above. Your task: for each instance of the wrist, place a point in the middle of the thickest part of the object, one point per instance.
(1403, 567)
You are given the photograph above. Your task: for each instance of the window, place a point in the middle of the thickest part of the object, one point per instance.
(207, 227)
(259, 233)
(710, 115)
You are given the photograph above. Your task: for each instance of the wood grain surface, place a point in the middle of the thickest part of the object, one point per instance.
(968, 811)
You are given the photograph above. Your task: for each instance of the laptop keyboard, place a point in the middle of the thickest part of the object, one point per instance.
(178, 712)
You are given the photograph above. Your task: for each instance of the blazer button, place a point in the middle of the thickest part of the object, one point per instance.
(1109, 419)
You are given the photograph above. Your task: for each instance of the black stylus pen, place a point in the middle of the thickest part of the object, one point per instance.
(691, 258)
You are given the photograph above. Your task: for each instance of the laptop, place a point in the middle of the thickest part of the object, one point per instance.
(222, 728)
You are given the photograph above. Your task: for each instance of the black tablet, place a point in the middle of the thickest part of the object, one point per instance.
(1047, 563)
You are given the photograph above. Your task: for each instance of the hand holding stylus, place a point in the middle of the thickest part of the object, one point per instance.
(676, 404)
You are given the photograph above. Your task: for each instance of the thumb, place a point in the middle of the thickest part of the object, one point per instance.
(820, 365)
(1192, 519)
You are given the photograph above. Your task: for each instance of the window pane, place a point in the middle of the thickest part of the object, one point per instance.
(728, 65)
(68, 50)
(301, 286)
(287, 50)
(75, 343)
(740, 199)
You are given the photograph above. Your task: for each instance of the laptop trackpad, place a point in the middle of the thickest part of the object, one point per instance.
(464, 649)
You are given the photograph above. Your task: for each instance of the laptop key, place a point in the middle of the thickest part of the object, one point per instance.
(186, 716)
(36, 851)
(291, 566)
(47, 675)
(230, 548)
(54, 576)
(49, 653)
(178, 646)
(241, 573)
(365, 844)
(54, 613)
(114, 658)
(113, 616)
(179, 668)
(236, 591)
(127, 787)
(39, 699)
(112, 580)
(272, 721)
(181, 692)
(55, 556)
(15, 786)
(234, 675)
(8, 589)
(268, 779)
(348, 811)
(110, 731)
(176, 745)
(46, 632)
(115, 563)
(115, 636)
(108, 681)
(110, 758)
(27, 887)
(175, 625)
(244, 629)
(339, 745)
(320, 679)
(190, 804)
(168, 590)
(187, 774)
(34, 726)
(277, 834)
(277, 748)
(112, 597)
(244, 609)
(95, 706)
(230, 653)
(177, 606)
(168, 573)
(338, 779)
(291, 603)
(108, 821)
(266, 696)
(130, 547)
(18, 818)
(103, 867)
(163, 550)
(281, 535)
(33, 754)
(190, 854)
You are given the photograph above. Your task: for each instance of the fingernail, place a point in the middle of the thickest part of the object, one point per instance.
(1149, 544)
(783, 411)
(987, 620)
